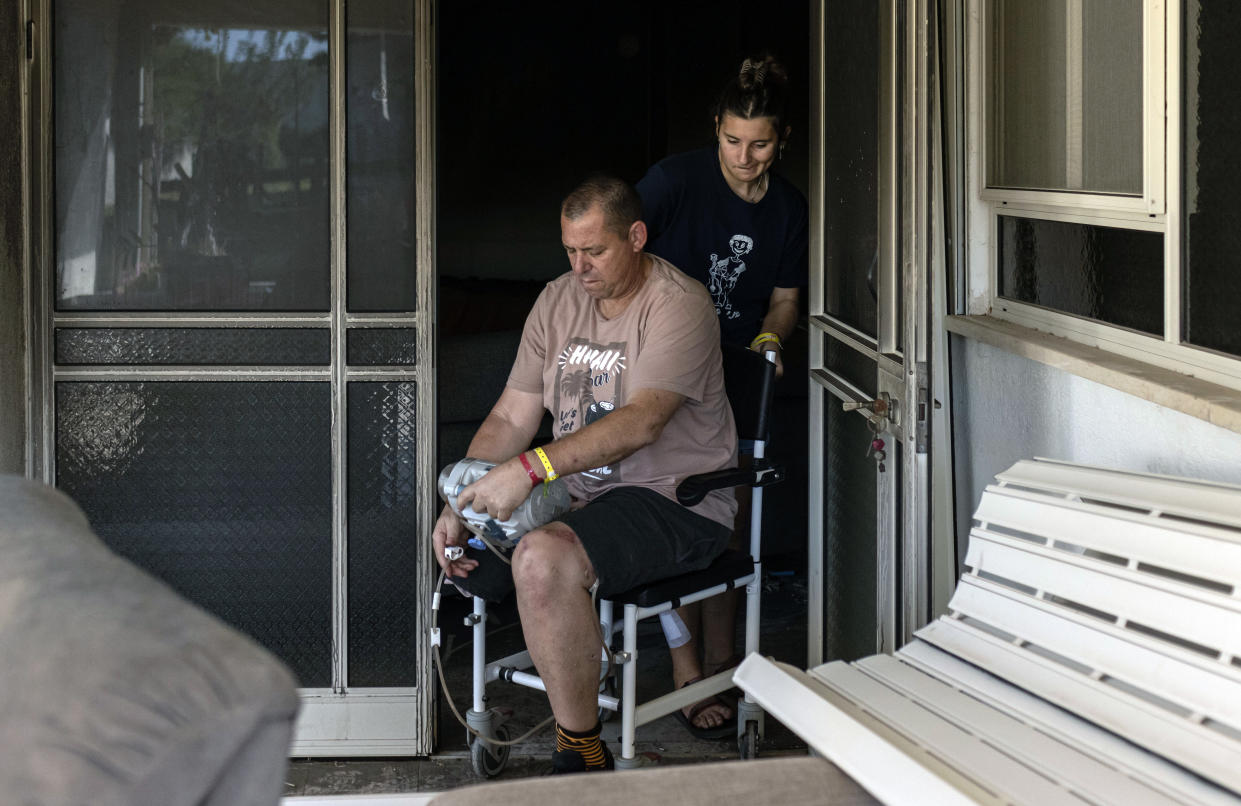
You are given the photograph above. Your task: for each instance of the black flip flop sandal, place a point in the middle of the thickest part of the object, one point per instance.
(722, 731)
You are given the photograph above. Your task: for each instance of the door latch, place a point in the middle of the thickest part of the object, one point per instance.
(883, 407)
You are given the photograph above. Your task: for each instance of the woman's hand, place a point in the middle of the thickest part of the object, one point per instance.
(775, 347)
(769, 342)
(780, 321)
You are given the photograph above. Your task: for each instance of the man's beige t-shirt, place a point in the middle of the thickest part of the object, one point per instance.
(586, 366)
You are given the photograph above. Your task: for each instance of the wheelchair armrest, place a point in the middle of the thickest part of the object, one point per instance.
(694, 488)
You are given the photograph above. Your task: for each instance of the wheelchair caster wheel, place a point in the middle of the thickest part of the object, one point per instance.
(485, 764)
(747, 743)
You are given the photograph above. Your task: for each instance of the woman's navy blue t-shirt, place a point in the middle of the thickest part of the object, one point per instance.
(738, 250)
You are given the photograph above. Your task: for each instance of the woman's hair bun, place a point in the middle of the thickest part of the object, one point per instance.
(758, 89)
(759, 70)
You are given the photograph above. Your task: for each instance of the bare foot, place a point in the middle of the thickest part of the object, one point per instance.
(708, 713)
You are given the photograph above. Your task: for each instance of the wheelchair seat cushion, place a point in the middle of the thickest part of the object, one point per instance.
(729, 566)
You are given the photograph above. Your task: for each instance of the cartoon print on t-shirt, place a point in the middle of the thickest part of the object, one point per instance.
(722, 275)
(588, 380)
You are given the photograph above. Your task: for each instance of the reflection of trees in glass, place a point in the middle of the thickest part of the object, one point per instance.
(379, 105)
(238, 129)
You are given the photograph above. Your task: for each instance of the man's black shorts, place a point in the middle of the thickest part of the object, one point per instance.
(632, 536)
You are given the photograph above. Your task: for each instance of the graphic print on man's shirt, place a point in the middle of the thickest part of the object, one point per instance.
(722, 274)
(588, 386)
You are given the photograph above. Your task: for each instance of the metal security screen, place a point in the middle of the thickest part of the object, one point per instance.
(191, 346)
(850, 575)
(383, 546)
(235, 310)
(1212, 168)
(223, 490)
(851, 130)
(1064, 105)
(868, 351)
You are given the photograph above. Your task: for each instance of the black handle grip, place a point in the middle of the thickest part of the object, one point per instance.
(694, 488)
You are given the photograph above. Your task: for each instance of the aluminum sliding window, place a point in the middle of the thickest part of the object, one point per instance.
(1103, 171)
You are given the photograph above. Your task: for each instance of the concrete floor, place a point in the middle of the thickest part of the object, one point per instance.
(664, 742)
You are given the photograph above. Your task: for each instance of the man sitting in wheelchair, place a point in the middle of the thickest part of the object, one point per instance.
(624, 351)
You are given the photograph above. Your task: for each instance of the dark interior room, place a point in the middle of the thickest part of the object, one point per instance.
(532, 98)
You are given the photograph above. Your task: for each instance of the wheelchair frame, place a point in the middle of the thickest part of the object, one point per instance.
(490, 758)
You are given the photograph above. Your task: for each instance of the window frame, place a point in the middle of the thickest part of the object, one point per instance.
(985, 206)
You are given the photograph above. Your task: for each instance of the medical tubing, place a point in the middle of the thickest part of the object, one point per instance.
(594, 608)
(439, 670)
(494, 550)
(460, 645)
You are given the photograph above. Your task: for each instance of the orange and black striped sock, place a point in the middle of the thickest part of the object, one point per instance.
(587, 744)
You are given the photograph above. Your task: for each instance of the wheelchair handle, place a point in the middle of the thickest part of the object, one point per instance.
(694, 488)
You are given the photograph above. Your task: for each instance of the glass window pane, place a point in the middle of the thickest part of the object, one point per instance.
(380, 143)
(851, 365)
(1212, 302)
(259, 346)
(383, 547)
(1065, 102)
(1104, 273)
(851, 126)
(222, 490)
(191, 163)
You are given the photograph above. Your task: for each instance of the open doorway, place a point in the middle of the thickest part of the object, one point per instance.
(530, 101)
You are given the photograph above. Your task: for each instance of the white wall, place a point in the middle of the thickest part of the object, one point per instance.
(1007, 408)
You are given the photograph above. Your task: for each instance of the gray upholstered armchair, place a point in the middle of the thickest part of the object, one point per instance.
(115, 690)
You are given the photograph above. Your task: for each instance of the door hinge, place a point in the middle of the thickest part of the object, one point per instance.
(29, 40)
(922, 417)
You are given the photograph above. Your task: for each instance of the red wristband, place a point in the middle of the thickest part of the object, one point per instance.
(535, 481)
